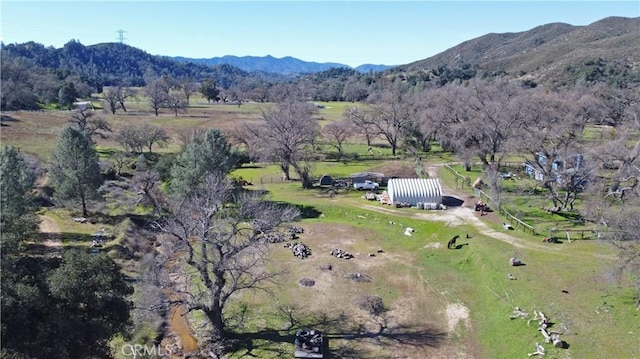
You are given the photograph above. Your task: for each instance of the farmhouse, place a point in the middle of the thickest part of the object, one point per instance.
(415, 190)
(573, 163)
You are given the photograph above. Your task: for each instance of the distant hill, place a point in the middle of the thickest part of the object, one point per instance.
(556, 53)
(285, 66)
(108, 64)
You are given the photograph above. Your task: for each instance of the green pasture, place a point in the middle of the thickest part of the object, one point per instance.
(570, 283)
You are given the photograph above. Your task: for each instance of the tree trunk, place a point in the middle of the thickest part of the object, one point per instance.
(84, 206)
(303, 172)
(285, 171)
(214, 315)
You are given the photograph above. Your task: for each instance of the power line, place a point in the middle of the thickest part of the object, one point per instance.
(121, 37)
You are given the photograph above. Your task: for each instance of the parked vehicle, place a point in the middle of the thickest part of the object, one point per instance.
(366, 185)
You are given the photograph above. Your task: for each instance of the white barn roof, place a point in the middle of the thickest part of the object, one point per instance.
(414, 190)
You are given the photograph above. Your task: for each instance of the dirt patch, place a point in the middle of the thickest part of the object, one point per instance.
(399, 169)
(50, 234)
(434, 245)
(457, 313)
(411, 327)
(48, 225)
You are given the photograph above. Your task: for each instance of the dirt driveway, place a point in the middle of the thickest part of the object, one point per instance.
(50, 235)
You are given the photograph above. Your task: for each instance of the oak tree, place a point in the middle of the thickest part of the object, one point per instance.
(287, 136)
(221, 231)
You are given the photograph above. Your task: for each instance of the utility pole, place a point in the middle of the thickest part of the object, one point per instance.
(121, 37)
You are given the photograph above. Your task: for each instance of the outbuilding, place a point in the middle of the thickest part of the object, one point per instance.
(414, 191)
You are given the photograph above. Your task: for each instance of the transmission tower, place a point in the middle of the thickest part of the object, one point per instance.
(121, 37)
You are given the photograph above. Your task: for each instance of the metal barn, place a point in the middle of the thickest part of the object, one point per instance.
(415, 190)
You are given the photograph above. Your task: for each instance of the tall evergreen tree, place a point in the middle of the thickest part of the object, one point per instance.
(75, 171)
(17, 209)
(201, 156)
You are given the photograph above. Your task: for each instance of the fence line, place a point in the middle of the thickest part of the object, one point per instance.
(464, 180)
(517, 222)
(460, 179)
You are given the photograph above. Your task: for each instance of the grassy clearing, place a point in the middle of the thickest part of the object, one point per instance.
(573, 287)
(334, 111)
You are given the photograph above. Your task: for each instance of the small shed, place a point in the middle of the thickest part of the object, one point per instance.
(415, 190)
(326, 180)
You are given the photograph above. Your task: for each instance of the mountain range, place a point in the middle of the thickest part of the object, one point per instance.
(285, 66)
(555, 53)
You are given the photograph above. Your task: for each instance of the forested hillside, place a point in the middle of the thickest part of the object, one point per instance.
(554, 54)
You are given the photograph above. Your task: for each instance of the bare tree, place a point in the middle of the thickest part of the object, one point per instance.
(189, 86)
(154, 135)
(391, 117)
(287, 136)
(555, 124)
(111, 97)
(483, 120)
(423, 129)
(361, 120)
(177, 102)
(615, 199)
(123, 93)
(338, 132)
(158, 94)
(131, 139)
(116, 97)
(91, 125)
(220, 233)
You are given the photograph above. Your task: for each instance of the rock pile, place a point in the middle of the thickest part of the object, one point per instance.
(294, 231)
(307, 282)
(272, 237)
(299, 249)
(339, 253)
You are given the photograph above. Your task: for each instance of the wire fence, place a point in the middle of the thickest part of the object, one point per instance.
(515, 222)
(464, 182)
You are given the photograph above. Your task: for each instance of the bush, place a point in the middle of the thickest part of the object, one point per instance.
(371, 304)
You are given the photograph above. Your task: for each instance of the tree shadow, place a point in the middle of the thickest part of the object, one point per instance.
(336, 327)
(139, 220)
(305, 211)
(6, 118)
(308, 211)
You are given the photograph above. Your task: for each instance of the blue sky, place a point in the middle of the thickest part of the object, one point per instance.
(347, 32)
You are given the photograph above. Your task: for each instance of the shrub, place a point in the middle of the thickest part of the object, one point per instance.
(371, 304)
